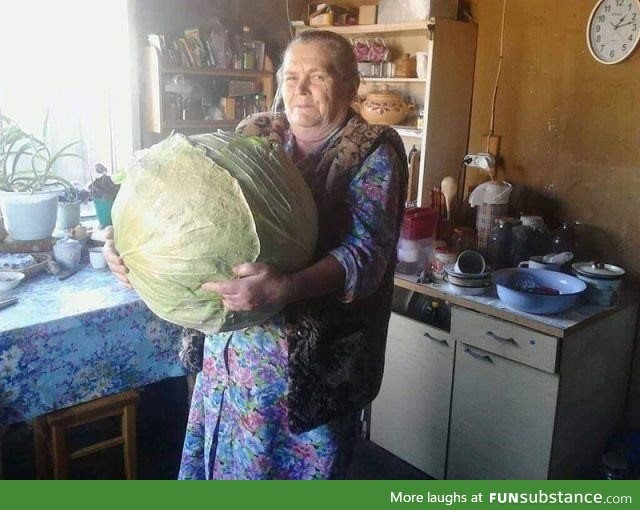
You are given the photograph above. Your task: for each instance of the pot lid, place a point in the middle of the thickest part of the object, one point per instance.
(599, 270)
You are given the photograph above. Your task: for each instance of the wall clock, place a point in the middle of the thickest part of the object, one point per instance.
(613, 30)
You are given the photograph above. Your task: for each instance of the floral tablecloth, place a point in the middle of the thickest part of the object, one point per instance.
(71, 341)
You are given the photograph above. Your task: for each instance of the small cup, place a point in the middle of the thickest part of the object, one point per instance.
(470, 262)
(96, 258)
(538, 263)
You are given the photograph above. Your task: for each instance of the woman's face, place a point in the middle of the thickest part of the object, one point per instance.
(313, 97)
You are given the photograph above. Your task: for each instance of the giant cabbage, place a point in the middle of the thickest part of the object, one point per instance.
(189, 209)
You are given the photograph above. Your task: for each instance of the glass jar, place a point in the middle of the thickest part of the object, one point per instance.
(530, 238)
(499, 251)
(564, 238)
(463, 238)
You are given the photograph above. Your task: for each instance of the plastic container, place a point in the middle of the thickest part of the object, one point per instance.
(419, 223)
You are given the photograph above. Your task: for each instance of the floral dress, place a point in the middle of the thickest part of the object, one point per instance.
(238, 426)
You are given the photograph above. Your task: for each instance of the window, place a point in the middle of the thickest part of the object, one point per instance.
(72, 59)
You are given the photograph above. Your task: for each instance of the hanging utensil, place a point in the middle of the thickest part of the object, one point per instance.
(449, 188)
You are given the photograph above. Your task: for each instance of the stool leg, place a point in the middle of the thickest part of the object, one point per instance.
(129, 433)
(59, 453)
(43, 462)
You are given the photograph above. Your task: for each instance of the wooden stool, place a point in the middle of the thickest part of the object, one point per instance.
(50, 430)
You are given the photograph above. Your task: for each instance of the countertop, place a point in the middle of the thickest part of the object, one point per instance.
(559, 325)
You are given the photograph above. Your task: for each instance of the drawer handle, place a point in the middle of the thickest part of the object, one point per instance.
(501, 338)
(477, 355)
(435, 339)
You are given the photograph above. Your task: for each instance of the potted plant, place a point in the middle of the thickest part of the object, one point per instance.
(29, 188)
(69, 202)
(103, 191)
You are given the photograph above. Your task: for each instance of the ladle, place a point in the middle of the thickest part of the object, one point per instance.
(449, 189)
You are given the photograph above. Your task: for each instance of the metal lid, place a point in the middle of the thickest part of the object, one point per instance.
(600, 270)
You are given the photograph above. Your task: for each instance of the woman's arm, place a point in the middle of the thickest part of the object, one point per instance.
(261, 285)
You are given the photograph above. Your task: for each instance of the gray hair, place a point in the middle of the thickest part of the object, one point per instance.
(343, 64)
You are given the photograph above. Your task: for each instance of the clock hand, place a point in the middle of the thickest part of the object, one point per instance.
(619, 21)
(627, 23)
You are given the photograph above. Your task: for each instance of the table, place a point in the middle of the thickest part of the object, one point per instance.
(67, 342)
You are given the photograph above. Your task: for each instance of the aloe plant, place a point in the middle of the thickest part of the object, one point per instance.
(16, 146)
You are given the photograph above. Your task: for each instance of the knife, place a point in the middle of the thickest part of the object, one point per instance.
(8, 302)
(66, 273)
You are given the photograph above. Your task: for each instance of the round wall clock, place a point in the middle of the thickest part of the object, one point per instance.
(613, 30)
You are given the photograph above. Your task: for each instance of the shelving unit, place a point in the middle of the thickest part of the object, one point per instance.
(155, 71)
(445, 94)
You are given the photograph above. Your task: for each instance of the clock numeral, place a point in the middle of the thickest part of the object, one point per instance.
(619, 3)
(597, 28)
(612, 53)
(630, 38)
(607, 8)
(601, 18)
(634, 27)
(624, 47)
(598, 38)
(633, 16)
(601, 48)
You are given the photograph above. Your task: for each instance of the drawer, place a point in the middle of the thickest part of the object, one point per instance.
(505, 339)
(406, 327)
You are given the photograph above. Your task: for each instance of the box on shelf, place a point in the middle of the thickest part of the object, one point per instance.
(367, 14)
(398, 11)
(324, 15)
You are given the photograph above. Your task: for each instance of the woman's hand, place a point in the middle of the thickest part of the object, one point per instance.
(114, 261)
(257, 286)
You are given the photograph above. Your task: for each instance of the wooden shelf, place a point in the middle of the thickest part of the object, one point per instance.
(199, 124)
(394, 80)
(213, 71)
(155, 73)
(381, 28)
(408, 131)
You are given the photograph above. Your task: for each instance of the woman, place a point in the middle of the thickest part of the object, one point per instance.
(281, 400)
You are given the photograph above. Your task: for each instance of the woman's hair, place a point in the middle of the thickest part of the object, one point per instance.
(343, 64)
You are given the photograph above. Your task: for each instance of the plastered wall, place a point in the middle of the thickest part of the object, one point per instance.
(570, 126)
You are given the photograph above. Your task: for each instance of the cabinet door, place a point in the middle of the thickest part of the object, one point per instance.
(410, 416)
(502, 418)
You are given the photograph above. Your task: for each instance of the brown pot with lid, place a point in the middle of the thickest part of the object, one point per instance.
(385, 107)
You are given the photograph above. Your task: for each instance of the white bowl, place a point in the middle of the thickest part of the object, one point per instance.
(9, 280)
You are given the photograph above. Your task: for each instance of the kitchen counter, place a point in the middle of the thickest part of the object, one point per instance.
(559, 325)
(71, 341)
(503, 394)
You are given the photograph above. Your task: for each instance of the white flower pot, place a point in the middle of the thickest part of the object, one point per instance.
(68, 215)
(29, 216)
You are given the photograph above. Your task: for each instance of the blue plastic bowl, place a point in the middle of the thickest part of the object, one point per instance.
(519, 289)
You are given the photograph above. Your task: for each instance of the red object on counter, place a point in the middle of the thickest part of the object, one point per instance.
(419, 223)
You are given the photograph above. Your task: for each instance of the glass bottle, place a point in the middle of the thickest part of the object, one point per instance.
(248, 50)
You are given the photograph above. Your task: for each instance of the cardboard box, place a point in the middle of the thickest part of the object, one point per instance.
(398, 11)
(367, 14)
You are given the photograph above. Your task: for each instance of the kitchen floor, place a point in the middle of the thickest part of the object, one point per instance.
(159, 453)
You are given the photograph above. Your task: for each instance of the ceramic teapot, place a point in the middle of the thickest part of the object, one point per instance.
(385, 107)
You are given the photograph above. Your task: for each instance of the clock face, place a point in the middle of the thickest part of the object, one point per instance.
(613, 30)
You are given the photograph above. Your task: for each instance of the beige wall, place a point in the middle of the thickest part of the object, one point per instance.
(570, 126)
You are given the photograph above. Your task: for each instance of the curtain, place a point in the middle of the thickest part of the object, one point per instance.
(72, 60)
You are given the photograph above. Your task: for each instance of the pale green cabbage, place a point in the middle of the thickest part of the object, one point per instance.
(189, 209)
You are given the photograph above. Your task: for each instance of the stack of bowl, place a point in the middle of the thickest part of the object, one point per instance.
(467, 284)
(469, 276)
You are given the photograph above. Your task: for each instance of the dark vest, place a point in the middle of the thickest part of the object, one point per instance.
(336, 350)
